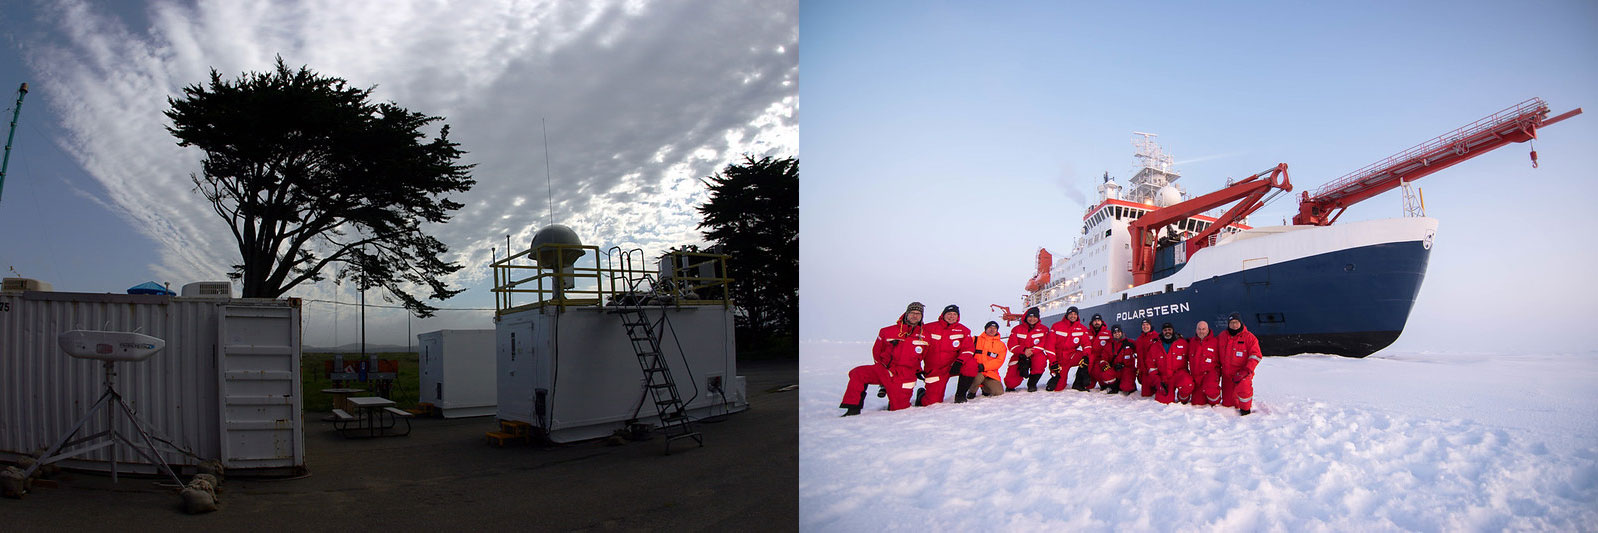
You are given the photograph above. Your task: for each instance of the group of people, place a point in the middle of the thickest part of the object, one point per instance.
(1207, 368)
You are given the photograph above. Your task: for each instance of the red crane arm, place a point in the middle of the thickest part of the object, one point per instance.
(1518, 123)
(1250, 190)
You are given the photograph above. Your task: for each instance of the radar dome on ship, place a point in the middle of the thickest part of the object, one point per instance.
(1167, 196)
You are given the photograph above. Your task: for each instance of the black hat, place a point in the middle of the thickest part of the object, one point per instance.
(1097, 317)
(1235, 316)
(950, 307)
(1167, 325)
(990, 324)
(1070, 310)
(1033, 311)
(1147, 321)
(1115, 328)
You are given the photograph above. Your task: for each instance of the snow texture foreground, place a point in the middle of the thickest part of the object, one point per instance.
(1430, 442)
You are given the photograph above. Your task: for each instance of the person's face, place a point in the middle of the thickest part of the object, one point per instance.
(1203, 329)
(1098, 323)
(1071, 316)
(1234, 324)
(1119, 335)
(1147, 328)
(1168, 332)
(914, 317)
(951, 316)
(1031, 320)
(992, 330)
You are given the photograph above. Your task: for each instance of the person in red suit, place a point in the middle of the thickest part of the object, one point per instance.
(1121, 356)
(1240, 354)
(1204, 364)
(951, 348)
(1070, 352)
(1030, 352)
(1169, 355)
(897, 355)
(1099, 366)
(1146, 382)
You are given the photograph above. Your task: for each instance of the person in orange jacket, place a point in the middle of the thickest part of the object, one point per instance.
(1030, 352)
(1204, 364)
(951, 341)
(897, 353)
(988, 354)
(1070, 352)
(1240, 354)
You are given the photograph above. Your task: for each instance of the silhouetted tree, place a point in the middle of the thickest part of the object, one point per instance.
(753, 214)
(308, 172)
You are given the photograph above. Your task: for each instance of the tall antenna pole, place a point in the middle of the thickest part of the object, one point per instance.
(6, 162)
(548, 180)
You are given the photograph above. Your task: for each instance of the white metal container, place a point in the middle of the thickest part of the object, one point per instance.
(457, 371)
(226, 386)
(574, 372)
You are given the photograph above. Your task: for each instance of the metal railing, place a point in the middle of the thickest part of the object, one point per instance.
(616, 276)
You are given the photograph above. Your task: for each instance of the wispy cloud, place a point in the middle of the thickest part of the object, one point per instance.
(640, 99)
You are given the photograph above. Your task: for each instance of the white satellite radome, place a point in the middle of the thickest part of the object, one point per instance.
(559, 260)
(109, 345)
(1168, 196)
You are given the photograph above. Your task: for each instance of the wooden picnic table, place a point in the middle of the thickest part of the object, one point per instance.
(373, 417)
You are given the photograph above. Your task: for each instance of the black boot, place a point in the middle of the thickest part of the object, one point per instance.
(851, 411)
(962, 389)
(919, 394)
(1243, 412)
(882, 392)
(1081, 381)
(1032, 383)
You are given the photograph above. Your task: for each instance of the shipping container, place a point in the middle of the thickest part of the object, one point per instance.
(573, 371)
(226, 386)
(457, 371)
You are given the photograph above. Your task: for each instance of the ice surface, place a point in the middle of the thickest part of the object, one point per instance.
(1395, 441)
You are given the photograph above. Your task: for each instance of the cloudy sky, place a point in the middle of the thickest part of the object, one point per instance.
(640, 98)
(944, 142)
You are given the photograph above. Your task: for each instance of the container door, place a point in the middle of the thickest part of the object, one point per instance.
(258, 362)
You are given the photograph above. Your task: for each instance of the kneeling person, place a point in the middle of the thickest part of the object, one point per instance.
(897, 355)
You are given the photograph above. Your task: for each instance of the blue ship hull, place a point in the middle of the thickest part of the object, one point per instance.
(1350, 302)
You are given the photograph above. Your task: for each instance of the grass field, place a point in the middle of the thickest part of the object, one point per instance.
(314, 376)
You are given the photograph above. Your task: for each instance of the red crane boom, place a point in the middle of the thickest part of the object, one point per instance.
(1518, 123)
(1250, 190)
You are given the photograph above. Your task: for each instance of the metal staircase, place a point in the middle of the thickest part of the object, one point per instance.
(645, 337)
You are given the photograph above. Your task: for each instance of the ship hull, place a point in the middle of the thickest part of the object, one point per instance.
(1350, 302)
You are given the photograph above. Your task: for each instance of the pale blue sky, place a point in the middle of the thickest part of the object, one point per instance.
(944, 142)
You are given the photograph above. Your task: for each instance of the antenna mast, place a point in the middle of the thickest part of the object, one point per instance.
(549, 181)
(15, 111)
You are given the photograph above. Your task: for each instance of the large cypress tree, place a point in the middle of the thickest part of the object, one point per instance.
(308, 172)
(753, 214)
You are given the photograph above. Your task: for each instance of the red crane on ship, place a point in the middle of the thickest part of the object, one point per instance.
(1518, 123)
(1251, 191)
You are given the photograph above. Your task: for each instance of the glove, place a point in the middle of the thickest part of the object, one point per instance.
(921, 376)
(1120, 366)
(954, 369)
(1054, 368)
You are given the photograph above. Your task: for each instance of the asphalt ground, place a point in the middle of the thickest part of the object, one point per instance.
(445, 475)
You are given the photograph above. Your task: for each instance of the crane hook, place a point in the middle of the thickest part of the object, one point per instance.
(1533, 154)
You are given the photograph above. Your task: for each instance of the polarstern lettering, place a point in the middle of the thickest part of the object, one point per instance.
(1158, 310)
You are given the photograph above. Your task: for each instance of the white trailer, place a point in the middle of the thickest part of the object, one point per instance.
(457, 371)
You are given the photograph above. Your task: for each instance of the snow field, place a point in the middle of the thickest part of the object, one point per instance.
(1335, 444)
